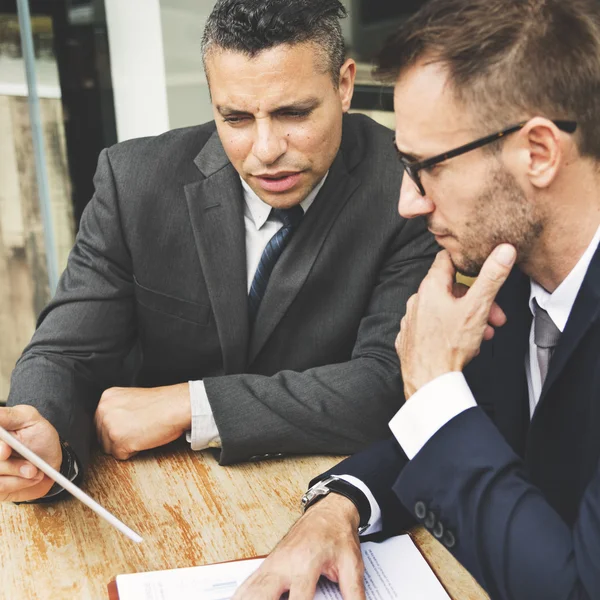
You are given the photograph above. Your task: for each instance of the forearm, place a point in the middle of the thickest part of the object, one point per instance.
(331, 409)
(61, 395)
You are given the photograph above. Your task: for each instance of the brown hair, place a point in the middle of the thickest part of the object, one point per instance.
(510, 59)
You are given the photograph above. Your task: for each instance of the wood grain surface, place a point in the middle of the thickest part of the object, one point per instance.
(189, 510)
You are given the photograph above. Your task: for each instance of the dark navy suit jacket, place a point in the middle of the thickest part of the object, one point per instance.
(517, 501)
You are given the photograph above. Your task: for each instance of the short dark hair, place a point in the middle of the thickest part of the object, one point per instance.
(251, 26)
(509, 59)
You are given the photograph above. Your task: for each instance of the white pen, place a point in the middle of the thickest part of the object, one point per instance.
(43, 466)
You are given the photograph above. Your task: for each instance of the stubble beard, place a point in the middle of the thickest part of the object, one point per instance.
(502, 214)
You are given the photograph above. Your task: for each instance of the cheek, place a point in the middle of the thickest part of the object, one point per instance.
(237, 144)
(318, 143)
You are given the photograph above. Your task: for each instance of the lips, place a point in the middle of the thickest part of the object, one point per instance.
(278, 182)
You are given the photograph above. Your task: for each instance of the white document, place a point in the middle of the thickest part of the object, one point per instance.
(394, 569)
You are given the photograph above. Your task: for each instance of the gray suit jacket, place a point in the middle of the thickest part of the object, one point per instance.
(159, 265)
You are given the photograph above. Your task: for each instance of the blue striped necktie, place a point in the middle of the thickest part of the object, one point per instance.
(290, 217)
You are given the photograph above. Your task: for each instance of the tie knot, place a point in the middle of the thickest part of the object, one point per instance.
(290, 217)
(545, 333)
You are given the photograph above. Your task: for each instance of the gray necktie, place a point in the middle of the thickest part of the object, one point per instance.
(545, 335)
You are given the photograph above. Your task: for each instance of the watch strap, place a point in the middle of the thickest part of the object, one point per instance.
(68, 468)
(340, 486)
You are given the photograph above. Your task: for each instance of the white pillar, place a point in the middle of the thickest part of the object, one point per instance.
(137, 67)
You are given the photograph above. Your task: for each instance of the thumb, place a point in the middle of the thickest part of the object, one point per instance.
(492, 276)
(12, 419)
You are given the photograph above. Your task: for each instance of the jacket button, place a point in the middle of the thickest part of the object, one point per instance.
(430, 520)
(449, 540)
(420, 510)
(438, 531)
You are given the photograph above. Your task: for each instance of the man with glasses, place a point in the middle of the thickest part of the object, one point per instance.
(497, 448)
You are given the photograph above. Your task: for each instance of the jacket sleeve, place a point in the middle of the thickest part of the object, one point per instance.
(338, 408)
(467, 486)
(87, 330)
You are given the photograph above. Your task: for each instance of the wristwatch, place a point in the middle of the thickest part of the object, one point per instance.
(68, 468)
(339, 486)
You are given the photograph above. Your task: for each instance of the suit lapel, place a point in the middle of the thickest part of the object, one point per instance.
(585, 311)
(298, 258)
(216, 212)
(509, 351)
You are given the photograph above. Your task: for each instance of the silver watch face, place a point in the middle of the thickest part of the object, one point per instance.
(317, 490)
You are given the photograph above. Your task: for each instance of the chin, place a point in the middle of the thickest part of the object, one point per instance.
(469, 267)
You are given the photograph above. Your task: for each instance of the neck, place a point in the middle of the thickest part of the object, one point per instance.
(567, 232)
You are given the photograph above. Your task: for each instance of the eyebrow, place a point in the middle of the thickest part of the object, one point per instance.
(301, 105)
(405, 155)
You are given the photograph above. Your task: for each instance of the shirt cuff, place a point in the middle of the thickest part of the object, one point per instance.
(375, 520)
(429, 409)
(204, 432)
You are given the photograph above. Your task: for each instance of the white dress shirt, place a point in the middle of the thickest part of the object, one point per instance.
(259, 230)
(444, 398)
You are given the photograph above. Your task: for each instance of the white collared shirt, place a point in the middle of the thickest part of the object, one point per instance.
(259, 230)
(444, 398)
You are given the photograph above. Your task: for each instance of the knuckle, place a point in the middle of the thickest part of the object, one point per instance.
(120, 454)
(106, 395)
(23, 412)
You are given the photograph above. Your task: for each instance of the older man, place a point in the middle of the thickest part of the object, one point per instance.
(237, 258)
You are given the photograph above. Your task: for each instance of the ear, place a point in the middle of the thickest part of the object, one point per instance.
(346, 87)
(543, 145)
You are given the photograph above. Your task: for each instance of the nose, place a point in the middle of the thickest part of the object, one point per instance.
(411, 203)
(268, 145)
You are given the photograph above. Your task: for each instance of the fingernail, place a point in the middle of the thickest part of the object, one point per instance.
(27, 471)
(505, 255)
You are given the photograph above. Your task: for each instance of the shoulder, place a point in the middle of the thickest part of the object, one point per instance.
(369, 147)
(168, 152)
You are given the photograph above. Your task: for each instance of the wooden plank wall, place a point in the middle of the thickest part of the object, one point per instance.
(23, 276)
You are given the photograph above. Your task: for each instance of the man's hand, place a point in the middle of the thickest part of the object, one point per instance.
(322, 542)
(21, 481)
(129, 420)
(445, 324)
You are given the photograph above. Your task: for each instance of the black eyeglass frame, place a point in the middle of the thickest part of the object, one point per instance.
(412, 168)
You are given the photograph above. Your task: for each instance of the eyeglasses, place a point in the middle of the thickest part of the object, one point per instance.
(412, 168)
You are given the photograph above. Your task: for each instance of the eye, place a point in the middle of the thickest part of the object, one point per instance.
(235, 120)
(295, 114)
(431, 169)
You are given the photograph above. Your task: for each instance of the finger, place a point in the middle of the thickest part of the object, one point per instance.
(496, 318)
(102, 436)
(488, 334)
(13, 418)
(493, 274)
(12, 485)
(18, 467)
(459, 289)
(261, 587)
(442, 269)
(351, 579)
(304, 588)
(5, 451)
(122, 454)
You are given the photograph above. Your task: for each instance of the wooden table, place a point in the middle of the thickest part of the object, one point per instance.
(189, 510)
